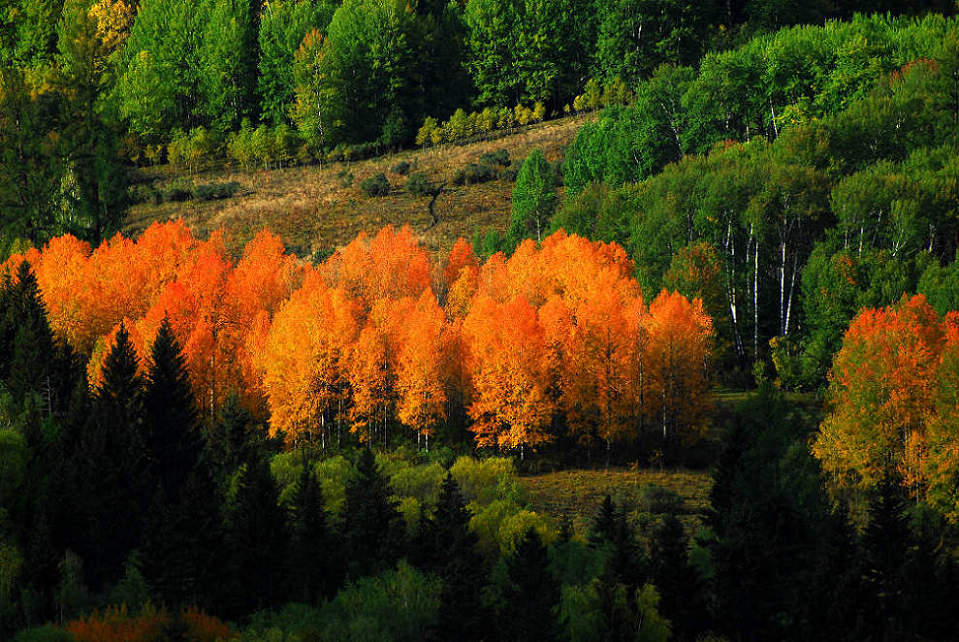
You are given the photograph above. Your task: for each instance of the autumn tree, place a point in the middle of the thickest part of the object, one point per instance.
(880, 394)
(419, 376)
(679, 334)
(511, 408)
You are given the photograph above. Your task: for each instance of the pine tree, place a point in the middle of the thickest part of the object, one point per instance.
(531, 593)
(182, 549)
(678, 582)
(373, 528)
(114, 463)
(257, 540)
(314, 560)
(174, 438)
(886, 549)
(450, 551)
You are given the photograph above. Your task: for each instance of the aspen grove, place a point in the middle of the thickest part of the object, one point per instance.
(557, 337)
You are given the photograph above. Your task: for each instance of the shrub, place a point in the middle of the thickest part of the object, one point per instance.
(145, 194)
(659, 500)
(375, 185)
(215, 191)
(418, 184)
(402, 168)
(498, 158)
(178, 191)
(346, 178)
(474, 173)
(425, 134)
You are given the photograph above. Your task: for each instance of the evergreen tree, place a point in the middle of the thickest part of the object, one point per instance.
(887, 544)
(314, 559)
(449, 549)
(174, 438)
(678, 583)
(233, 439)
(531, 594)
(611, 531)
(257, 541)
(183, 556)
(373, 528)
(534, 199)
(115, 464)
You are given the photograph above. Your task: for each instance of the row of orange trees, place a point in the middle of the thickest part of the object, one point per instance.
(557, 335)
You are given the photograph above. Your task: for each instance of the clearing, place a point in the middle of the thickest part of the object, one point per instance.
(319, 208)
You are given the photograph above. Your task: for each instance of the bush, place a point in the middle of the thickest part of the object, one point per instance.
(375, 185)
(215, 191)
(345, 177)
(474, 173)
(178, 191)
(659, 500)
(419, 185)
(402, 168)
(498, 158)
(145, 194)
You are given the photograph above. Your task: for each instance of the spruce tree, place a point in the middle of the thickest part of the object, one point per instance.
(679, 584)
(373, 528)
(531, 595)
(886, 548)
(450, 551)
(315, 567)
(115, 464)
(173, 434)
(257, 541)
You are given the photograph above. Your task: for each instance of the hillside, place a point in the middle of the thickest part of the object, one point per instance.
(315, 210)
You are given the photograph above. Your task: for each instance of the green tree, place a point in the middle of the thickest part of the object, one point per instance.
(174, 440)
(531, 594)
(257, 540)
(534, 199)
(314, 554)
(283, 25)
(225, 64)
(372, 528)
(98, 200)
(158, 88)
(450, 550)
(31, 167)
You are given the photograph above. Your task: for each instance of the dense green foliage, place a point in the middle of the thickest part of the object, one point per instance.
(822, 179)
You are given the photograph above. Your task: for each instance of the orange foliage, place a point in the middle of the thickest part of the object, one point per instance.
(511, 407)
(116, 624)
(893, 400)
(559, 327)
(304, 356)
(391, 265)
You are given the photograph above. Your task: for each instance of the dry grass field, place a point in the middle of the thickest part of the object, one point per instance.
(315, 212)
(578, 493)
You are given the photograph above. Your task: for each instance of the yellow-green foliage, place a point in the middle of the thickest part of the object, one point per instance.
(464, 126)
(333, 474)
(513, 529)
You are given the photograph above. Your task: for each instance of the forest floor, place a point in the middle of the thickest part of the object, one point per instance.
(319, 208)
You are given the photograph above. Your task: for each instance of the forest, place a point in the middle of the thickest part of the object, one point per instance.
(742, 275)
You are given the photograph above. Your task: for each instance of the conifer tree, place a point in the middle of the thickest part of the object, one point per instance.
(314, 561)
(678, 583)
(173, 435)
(373, 529)
(531, 593)
(115, 460)
(450, 551)
(257, 541)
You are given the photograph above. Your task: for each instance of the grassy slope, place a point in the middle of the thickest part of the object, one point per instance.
(313, 212)
(578, 493)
